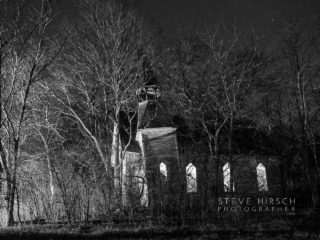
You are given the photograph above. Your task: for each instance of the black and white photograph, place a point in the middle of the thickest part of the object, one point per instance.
(160, 119)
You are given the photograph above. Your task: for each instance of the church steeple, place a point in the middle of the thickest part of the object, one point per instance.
(147, 96)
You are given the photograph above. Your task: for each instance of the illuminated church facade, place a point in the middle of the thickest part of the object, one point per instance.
(165, 170)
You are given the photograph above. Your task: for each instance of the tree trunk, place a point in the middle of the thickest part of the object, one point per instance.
(11, 183)
(10, 202)
(230, 149)
(217, 170)
(51, 186)
(115, 161)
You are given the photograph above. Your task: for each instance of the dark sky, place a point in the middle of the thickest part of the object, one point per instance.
(247, 13)
(171, 14)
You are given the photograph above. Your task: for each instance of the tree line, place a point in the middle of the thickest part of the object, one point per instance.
(67, 88)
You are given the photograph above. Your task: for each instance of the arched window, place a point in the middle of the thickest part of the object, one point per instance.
(163, 170)
(227, 178)
(191, 172)
(262, 178)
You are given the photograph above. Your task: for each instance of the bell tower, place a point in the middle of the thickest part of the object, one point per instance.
(147, 106)
(157, 146)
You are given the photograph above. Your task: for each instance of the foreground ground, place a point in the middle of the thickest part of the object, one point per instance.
(276, 229)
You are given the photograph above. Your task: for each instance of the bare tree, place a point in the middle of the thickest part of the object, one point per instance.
(99, 77)
(210, 75)
(26, 53)
(298, 63)
(46, 126)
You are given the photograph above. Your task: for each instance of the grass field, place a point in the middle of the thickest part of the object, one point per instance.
(277, 230)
